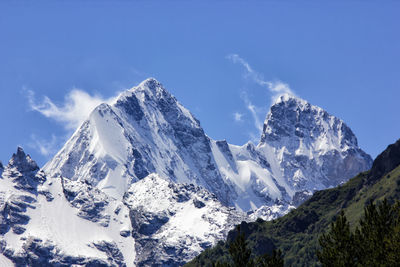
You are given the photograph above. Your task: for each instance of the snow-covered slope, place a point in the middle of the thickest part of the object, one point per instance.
(45, 222)
(302, 149)
(172, 223)
(314, 149)
(146, 130)
(140, 183)
(57, 221)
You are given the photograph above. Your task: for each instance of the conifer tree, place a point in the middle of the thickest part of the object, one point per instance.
(239, 252)
(376, 242)
(274, 260)
(338, 244)
(241, 255)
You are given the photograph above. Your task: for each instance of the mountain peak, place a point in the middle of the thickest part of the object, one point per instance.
(292, 101)
(291, 116)
(300, 133)
(150, 82)
(285, 97)
(149, 90)
(149, 85)
(24, 163)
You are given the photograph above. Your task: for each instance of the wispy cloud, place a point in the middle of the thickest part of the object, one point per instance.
(255, 113)
(238, 116)
(276, 88)
(44, 147)
(72, 112)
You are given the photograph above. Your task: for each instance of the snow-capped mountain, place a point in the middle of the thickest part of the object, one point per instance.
(60, 222)
(146, 130)
(140, 183)
(314, 149)
(55, 222)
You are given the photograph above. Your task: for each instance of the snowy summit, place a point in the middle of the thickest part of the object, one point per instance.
(141, 173)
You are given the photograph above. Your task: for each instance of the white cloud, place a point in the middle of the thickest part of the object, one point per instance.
(76, 108)
(276, 88)
(238, 116)
(255, 114)
(257, 122)
(44, 147)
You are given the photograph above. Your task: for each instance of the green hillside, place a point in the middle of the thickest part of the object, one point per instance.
(297, 233)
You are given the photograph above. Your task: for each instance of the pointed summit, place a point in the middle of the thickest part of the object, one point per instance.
(146, 130)
(22, 162)
(293, 117)
(286, 97)
(301, 133)
(150, 83)
(22, 170)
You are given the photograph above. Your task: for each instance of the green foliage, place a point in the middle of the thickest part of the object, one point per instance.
(274, 260)
(337, 245)
(374, 243)
(297, 233)
(239, 252)
(241, 255)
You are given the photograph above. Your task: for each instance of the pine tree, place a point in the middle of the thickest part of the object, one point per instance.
(393, 246)
(239, 252)
(241, 255)
(376, 242)
(274, 260)
(337, 245)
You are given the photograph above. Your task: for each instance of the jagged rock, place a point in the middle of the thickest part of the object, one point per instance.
(146, 130)
(142, 172)
(22, 170)
(42, 214)
(18, 230)
(198, 204)
(112, 251)
(89, 200)
(125, 233)
(173, 222)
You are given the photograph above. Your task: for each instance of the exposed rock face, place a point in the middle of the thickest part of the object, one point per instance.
(22, 169)
(140, 183)
(386, 161)
(51, 222)
(172, 223)
(146, 130)
(315, 150)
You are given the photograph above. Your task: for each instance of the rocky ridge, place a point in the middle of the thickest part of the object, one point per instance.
(141, 172)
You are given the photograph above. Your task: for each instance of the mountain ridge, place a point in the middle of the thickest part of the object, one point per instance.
(296, 233)
(145, 143)
(151, 132)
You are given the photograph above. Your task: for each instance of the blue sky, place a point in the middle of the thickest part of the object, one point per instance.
(341, 55)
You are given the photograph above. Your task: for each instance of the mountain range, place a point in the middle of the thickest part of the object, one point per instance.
(140, 183)
(297, 233)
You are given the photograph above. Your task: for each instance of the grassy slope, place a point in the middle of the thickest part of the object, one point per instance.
(297, 233)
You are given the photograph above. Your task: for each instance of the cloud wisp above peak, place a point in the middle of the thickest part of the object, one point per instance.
(76, 107)
(275, 88)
